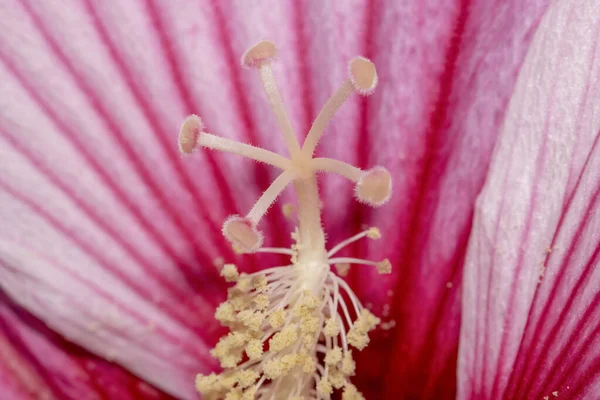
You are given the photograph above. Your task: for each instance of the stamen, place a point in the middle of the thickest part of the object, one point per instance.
(383, 267)
(363, 79)
(275, 250)
(371, 233)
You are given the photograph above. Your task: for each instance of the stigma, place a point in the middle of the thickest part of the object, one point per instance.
(293, 328)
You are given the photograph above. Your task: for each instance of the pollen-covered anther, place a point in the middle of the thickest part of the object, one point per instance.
(230, 272)
(284, 338)
(384, 267)
(324, 388)
(374, 233)
(331, 328)
(277, 367)
(254, 349)
(242, 232)
(276, 319)
(262, 52)
(363, 75)
(333, 356)
(348, 364)
(374, 187)
(351, 393)
(190, 131)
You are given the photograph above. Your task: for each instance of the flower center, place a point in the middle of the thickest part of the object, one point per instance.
(292, 327)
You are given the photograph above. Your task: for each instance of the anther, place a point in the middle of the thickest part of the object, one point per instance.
(371, 233)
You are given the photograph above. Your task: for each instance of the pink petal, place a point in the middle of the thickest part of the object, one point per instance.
(532, 283)
(37, 364)
(446, 74)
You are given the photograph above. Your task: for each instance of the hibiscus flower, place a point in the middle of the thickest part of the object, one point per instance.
(110, 241)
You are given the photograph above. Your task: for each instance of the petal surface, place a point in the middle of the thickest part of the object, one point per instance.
(531, 300)
(38, 364)
(433, 121)
(95, 92)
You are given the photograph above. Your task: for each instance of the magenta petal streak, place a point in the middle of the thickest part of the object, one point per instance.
(531, 301)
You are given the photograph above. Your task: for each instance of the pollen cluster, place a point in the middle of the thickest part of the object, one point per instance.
(289, 338)
(292, 328)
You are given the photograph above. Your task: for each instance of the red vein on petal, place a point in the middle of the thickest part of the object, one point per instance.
(150, 269)
(118, 135)
(122, 307)
(260, 171)
(16, 341)
(450, 297)
(584, 277)
(357, 210)
(302, 55)
(583, 350)
(427, 179)
(87, 362)
(172, 58)
(154, 122)
(109, 183)
(524, 240)
(575, 333)
(541, 157)
(87, 248)
(482, 323)
(565, 209)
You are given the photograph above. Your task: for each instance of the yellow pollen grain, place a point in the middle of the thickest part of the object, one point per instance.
(225, 312)
(384, 267)
(331, 328)
(333, 356)
(260, 283)
(206, 383)
(230, 272)
(366, 321)
(351, 393)
(374, 233)
(308, 363)
(348, 364)
(261, 301)
(276, 319)
(235, 394)
(279, 367)
(357, 339)
(249, 394)
(244, 283)
(286, 337)
(324, 388)
(254, 349)
(246, 378)
(307, 341)
(336, 378)
(310, 324)
(251, 319)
